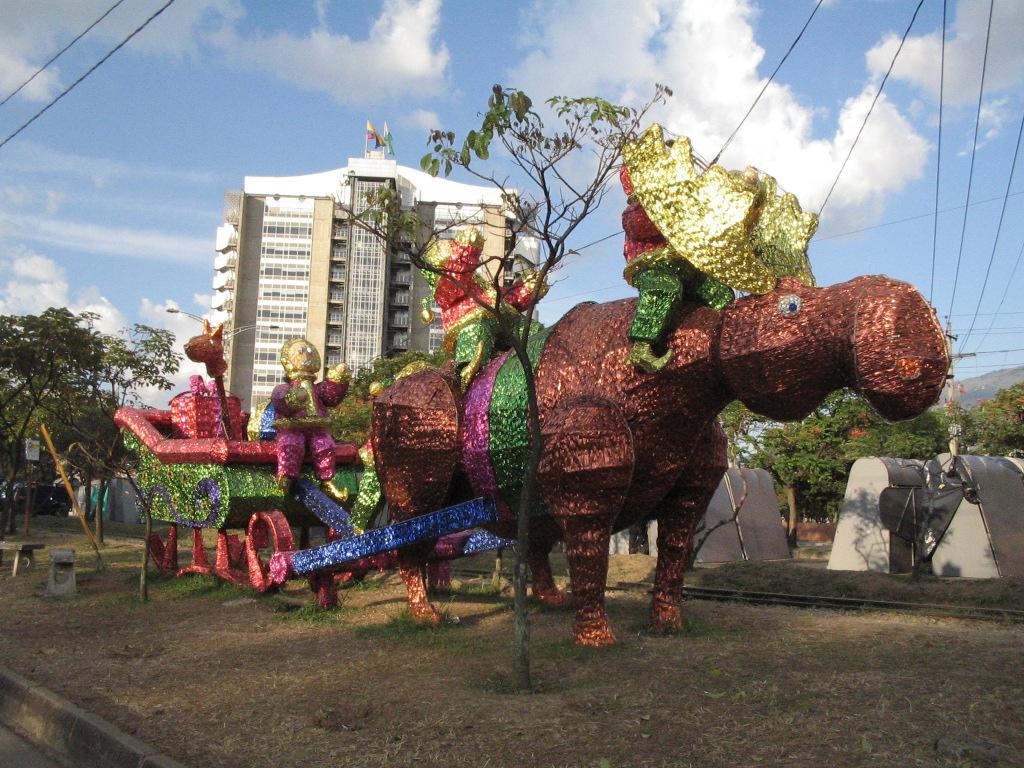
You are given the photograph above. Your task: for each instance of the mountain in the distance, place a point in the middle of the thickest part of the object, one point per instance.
(985, 386)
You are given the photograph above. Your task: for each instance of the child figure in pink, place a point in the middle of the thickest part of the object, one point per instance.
(301, 415)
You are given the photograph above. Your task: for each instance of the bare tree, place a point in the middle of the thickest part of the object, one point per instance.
(560, 176)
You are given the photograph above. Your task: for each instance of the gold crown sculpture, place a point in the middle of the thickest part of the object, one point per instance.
(705, 217)
(730, 225)
(782, 234)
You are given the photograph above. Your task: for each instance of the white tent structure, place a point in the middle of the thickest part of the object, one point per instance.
(883, 499)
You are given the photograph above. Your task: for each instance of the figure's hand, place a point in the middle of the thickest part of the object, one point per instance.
(339, 374)
(295, 398)
(532, 283)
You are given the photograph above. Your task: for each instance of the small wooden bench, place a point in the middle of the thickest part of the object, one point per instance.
(22, 553)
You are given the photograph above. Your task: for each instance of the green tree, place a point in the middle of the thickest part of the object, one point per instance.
(996, 427)
(383, 370)
(811, 459)
(48, 363)
(135, 360)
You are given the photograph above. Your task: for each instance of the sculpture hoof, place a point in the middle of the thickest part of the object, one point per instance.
(554, 598)
(424, 613)
(593, 634)
(665, 619)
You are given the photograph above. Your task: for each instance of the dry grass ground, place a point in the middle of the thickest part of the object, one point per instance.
(208, 674)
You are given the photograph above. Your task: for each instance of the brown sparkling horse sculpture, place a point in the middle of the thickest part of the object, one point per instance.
(620, 445)
(208, 348)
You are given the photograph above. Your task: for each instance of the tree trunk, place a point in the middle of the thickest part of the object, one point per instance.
(793, 517)
(87, 508)
(8, 507)
(101, 499)
(144, 573)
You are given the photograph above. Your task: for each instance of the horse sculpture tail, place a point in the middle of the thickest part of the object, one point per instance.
(370, 496)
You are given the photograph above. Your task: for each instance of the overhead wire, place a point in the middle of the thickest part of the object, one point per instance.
(1002, 299)
(88, 72)
(872, 107)
(999, 230)
(938, 153)
(60, 53)
(913, 218)
(764, 88)
(974, 152)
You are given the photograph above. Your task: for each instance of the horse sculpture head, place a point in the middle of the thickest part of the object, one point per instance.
(208, 348)
(783, 351)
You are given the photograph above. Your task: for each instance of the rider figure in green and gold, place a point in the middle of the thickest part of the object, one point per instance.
(468, 301)
(695, 236)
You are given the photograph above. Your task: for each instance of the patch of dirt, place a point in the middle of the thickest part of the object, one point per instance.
(217, 680)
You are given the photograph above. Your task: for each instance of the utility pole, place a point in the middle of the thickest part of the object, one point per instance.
(953, 391)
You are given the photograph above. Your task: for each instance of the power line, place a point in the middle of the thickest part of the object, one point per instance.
(974, 152)
(1006, 291)
(769, 82)
(88, 72)
(999, 351)
(60, 53)
(914, 218)
(872, 107)
(999, 230)
(938, 153)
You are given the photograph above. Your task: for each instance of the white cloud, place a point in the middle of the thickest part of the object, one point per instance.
(184, 328)
(26, 157)
(423, 119)
(918, 63)
(400, 57)
(35, 283)
(668, 42)
(32, 31)
(17, 196)
(105, 241)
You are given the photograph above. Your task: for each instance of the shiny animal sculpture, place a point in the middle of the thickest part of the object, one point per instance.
(620, 445)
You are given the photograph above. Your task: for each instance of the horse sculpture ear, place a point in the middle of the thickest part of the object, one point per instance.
(207, 330)
(218, 332)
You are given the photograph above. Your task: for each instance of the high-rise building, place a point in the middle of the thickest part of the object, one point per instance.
(294, 261)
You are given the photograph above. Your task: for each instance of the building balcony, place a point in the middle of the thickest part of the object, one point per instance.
(227, 238)
(224, 281)
(222, 300)
(225, 260)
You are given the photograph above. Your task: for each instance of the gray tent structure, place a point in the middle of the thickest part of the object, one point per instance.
(980, 534)
(742, 523)
(884, 498)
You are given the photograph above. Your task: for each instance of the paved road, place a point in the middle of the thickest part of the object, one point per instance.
(16, 752)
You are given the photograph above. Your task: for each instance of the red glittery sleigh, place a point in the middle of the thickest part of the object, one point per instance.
(196, 413)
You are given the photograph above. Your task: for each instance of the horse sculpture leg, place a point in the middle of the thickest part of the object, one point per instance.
(584, 476)
(678, 515)
(544, 534)
(416, 451)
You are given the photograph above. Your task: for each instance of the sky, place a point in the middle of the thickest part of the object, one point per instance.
(110, 200)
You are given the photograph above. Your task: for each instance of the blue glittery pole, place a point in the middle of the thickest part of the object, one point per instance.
(267, 431)
(456, 518)
(481, 541)
(323, 506)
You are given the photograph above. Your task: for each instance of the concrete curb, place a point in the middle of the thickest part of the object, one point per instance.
(60, 728)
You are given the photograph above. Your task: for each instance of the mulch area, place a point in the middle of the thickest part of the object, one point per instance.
(216, 676)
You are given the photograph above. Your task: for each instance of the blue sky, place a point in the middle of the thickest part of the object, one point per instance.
(110, 200)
